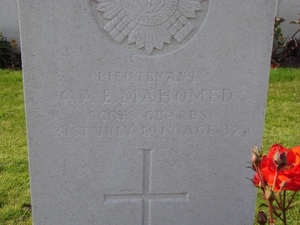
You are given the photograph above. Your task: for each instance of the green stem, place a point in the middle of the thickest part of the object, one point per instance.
(278, 215)
(291, 200)
(260, 177)
(271, 212)
(284, 208)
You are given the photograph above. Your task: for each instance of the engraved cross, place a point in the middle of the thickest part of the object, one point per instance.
(146, 197)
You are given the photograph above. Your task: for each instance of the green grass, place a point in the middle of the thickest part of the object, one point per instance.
(14, 178)
(282, 122)
(282, 126)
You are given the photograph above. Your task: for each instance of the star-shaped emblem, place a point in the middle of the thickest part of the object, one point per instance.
(148, 23)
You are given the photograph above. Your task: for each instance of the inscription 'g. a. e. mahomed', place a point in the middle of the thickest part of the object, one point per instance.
(150, 24)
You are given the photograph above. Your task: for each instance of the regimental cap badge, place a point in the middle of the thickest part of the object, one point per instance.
(149, 23)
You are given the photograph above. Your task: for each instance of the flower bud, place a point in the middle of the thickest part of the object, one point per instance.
(256, 181)
(279, 20)
(279, 159)
(256, 156)
(261, 218)
(269, 194)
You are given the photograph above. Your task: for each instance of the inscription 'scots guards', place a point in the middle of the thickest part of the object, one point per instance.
(149, 23)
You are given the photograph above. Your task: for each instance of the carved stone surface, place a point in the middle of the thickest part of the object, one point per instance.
(146, 197)
(150, 24)
(157, 132)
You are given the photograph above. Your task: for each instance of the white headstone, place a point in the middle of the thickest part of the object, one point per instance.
(144, 112)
